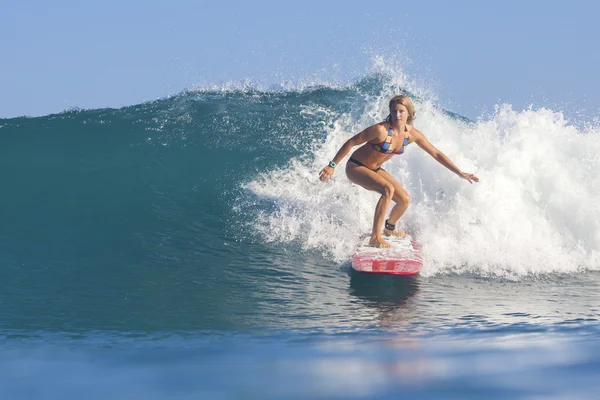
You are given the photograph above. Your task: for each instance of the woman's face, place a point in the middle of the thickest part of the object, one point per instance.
(399, 113)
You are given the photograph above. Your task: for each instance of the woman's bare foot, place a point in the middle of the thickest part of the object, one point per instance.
(377, 241)
(395, 232)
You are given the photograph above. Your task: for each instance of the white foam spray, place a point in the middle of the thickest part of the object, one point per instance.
(536, 209)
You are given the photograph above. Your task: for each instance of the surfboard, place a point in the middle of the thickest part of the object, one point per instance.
(402, 258)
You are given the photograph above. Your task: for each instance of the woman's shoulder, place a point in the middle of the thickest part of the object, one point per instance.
(378, 128)
(413, 133)
(383, 126)
(374, 133)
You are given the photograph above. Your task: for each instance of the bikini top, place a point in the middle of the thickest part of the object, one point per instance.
(385, 146)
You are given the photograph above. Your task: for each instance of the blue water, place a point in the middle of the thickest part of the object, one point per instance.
(184, 248)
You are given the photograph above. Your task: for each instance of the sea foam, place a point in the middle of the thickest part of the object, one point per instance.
(536, 209)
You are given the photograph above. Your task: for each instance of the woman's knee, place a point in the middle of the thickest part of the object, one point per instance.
(388, 191)
(403, 198)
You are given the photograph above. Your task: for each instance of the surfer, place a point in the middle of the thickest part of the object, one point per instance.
(379, 143)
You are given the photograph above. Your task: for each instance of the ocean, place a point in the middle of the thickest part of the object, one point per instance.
(184, 248)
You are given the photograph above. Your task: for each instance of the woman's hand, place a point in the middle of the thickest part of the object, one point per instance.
(469, 177)
(326, 173)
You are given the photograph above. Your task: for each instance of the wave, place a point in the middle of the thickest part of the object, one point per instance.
(240, 161)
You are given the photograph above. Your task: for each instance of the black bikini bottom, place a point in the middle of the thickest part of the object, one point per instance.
(362, 165)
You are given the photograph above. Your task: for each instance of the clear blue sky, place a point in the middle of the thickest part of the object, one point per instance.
(473, 54)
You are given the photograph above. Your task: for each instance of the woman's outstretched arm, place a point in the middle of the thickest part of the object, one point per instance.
(423, 143)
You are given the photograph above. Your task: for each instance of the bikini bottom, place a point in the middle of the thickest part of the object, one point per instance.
(362, 165)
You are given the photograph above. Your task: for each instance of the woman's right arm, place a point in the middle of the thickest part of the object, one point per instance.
(370, 133)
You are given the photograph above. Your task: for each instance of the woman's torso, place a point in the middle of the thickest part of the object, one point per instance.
(373, 158)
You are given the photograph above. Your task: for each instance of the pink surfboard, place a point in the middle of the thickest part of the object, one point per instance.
(402, 258)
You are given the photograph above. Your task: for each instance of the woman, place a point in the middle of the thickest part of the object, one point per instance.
(381, 142)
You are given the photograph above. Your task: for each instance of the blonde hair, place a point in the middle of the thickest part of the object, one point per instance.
(406, 102)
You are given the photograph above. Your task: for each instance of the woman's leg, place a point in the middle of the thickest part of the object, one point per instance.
(402, 200)
(371, 180)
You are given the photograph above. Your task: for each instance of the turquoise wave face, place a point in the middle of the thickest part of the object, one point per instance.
(103, 165)
(102, 206)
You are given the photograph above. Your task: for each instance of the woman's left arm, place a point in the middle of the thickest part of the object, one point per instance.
(423, 143)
